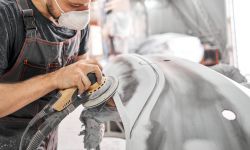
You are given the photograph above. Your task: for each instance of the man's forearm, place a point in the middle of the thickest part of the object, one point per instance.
(80, 57)
(17, 95)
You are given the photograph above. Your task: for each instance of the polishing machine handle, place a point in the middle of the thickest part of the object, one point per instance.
(66, 95)
(92, 78)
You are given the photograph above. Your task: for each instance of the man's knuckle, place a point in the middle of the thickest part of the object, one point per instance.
(75, 81)
(96, 67)
(88, 83)
(78, 76)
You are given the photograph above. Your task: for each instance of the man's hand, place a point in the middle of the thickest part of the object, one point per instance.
(75, 75)
(91, 61)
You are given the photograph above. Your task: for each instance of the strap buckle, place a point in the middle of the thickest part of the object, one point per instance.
(29, 20)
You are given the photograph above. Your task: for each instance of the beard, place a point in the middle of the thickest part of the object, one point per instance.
(51, 10)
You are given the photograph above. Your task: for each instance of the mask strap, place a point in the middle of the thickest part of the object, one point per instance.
(59, 6)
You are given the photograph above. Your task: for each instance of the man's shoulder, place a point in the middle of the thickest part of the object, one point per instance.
(8, 6)
(7, 3)
(10, 14)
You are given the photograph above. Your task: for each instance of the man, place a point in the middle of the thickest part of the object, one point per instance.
(40, 40)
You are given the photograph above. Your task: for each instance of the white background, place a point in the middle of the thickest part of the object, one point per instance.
(242, 28)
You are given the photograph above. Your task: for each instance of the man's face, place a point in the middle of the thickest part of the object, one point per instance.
(66, 6)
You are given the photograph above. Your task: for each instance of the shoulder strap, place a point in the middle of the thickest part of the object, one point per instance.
(28, 15)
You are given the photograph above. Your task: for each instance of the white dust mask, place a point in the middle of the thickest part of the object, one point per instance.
(75, 20)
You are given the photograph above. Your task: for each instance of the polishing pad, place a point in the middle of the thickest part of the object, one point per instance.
(102, 93)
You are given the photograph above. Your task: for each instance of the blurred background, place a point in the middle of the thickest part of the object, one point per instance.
(209, 32)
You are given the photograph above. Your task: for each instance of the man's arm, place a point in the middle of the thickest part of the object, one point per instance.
(82, 57)
(15, 96)
(18, 95)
